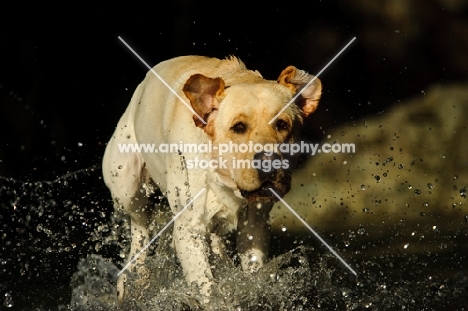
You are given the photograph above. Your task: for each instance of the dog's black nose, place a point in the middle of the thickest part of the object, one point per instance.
(267, 164)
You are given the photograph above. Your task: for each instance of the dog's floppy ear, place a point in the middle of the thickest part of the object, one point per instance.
(296, 80)
(204, 94)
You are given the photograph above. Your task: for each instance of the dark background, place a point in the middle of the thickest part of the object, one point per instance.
(65, 80)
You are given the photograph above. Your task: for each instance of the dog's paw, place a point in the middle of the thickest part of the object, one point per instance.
(252, 261)
(206, 290)
(121, 286)
(133, 284)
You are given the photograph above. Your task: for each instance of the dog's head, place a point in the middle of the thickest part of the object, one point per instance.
(250, 121)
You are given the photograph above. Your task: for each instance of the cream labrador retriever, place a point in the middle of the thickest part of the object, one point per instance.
(219, 103)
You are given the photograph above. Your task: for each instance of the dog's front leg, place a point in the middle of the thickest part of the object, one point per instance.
(139, 235)
(253, 234)
(192, 249)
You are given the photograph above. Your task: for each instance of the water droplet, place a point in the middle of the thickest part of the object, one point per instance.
(401, 166)
(455, 177)
(463, 193)
(406, 246)
(284, 229)
(8, 302)
(430, 186)
(363, 187)
(417, 191)
(377, 177)
(250, 237)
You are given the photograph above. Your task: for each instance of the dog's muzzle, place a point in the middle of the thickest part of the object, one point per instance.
(277, 179)
(266, 171)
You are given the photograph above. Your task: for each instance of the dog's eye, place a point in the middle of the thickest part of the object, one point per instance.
(239, 128)
(282, 125)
